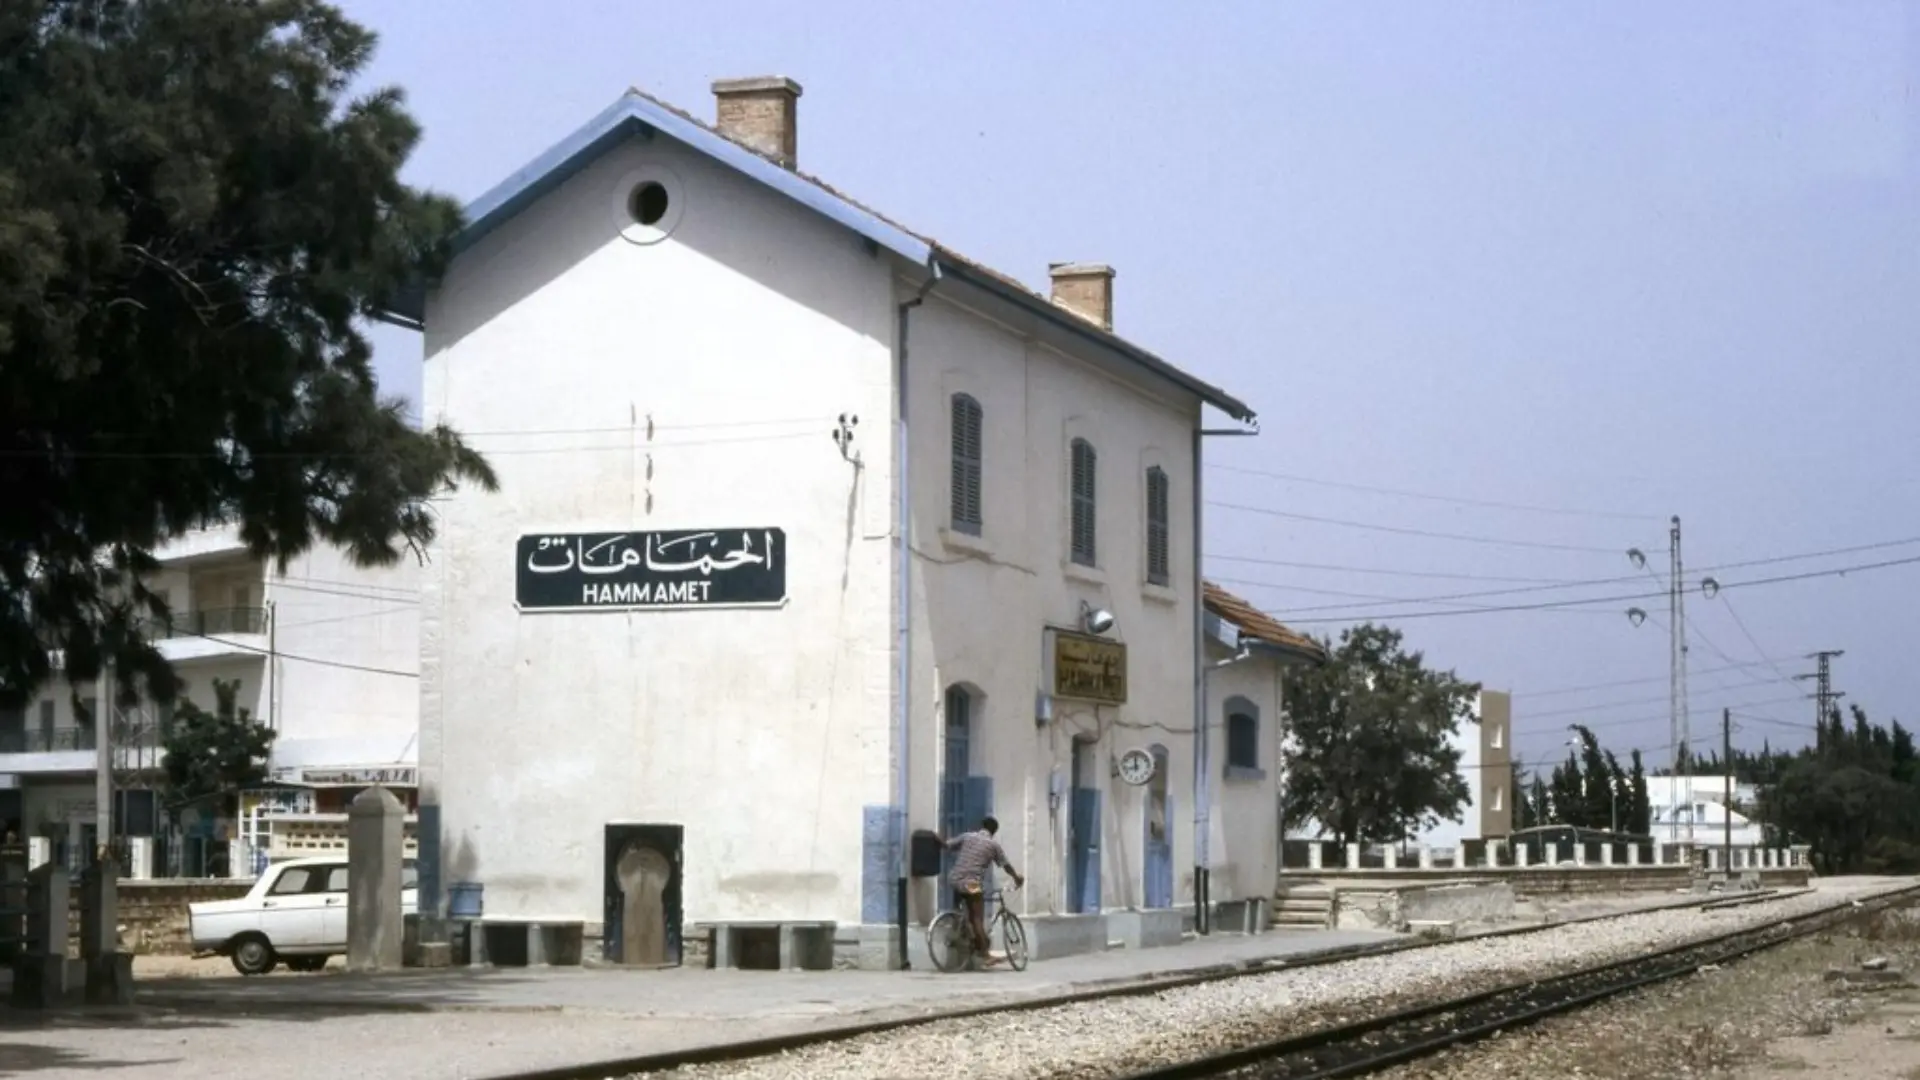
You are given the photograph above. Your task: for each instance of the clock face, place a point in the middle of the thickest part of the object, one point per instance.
(1136, 767)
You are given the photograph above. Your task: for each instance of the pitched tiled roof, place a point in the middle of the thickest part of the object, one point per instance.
(637, 113)
(1257, 624)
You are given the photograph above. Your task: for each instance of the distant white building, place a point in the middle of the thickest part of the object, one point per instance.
(326, 653)
(1693, 809)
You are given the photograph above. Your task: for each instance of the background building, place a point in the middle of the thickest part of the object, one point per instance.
(325, 652)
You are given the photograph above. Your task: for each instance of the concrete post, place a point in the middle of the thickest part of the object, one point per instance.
(1606, 854)
(40, 971)
(1393, 857)
(1659, 853)
(1353, 856)
(109, 969)
(1579, 853)
(1316, 855)
(376, 930)
(1520, 856)
(1426, 857)
(1633, 854)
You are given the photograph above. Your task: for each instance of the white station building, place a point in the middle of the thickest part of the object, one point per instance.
(813, 535)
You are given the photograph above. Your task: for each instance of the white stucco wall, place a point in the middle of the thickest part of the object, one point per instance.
(981, 604)
(347, 659)
(1246, 819)
(685, 384)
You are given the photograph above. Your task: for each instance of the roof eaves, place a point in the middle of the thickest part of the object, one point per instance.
(638, 115)
(999, 285)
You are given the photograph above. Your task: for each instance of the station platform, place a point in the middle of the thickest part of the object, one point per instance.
(469, 1024)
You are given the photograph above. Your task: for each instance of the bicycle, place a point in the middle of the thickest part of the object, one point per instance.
(950, 937)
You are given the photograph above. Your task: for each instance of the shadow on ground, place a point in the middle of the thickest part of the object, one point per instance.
(17, 1058)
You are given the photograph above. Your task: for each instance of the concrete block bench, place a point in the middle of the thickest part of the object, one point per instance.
(770, 945)
(525, 941)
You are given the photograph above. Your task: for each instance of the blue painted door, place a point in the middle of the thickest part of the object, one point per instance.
(1083, 852)
(1083, 833)
(954, 773)
(1159, 861)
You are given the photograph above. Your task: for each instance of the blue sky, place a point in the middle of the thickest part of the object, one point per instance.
(1617, 260)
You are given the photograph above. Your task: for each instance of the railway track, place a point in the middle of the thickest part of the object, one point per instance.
(783, 1044)
(1380, 1042)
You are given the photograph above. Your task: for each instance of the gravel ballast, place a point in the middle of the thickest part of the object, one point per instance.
(1101, 1039)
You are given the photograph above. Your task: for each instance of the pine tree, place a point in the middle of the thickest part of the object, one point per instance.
(193, 217)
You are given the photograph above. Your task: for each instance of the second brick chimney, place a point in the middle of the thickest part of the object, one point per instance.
(762, 112)
(1086, 289)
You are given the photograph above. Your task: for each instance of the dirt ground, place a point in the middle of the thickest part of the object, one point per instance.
(1771, 1017)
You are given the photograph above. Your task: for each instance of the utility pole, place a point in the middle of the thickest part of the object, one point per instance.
(1726, 806)
(1824, 697)
(1678, 718)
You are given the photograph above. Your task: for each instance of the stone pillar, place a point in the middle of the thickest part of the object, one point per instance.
(1426, 857)
(40, 971)
(1393, 857)
(1579, 853)
(1606, 854)
(1316, 855)
(1659, 853)
(1633, 854)
(109, 969)
(376, 931)
(1353, 856)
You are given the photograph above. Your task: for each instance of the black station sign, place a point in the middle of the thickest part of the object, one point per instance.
(685, 568)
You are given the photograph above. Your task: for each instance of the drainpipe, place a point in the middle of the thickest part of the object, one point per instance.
(1202, 744)
(1202, 812)
(903, 612)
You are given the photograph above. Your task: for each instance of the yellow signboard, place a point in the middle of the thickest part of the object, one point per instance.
(1089, 669)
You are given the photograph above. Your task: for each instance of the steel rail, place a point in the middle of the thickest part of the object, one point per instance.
(767, 1046)
(1373, 1044)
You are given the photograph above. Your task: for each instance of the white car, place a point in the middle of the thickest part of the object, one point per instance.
(296, 911)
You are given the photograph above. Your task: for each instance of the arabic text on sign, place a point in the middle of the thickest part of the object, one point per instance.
(1090, 670)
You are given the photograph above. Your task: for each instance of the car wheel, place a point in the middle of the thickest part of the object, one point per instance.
(253, 956)
(306, 963)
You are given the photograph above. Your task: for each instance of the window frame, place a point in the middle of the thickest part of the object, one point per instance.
(966, 507)
(1159, 527)
(1083, 503)
(1242, 720)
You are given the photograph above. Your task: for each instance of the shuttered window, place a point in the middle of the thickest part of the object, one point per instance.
(966, 465)
(1083, 474)
(1159, 557)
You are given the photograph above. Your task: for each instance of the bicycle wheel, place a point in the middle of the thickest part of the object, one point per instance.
(948, 943)
(1013, 937)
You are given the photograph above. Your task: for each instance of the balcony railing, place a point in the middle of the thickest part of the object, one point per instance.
(46, 740)
(209, 622)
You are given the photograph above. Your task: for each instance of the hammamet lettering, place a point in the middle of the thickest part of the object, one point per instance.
(645, 592)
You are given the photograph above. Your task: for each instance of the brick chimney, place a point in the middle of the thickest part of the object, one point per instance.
(762, 112)
(1086, 289)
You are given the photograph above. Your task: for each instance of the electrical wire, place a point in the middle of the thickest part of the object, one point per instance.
(1403, 531)
(1392, 573)
(1483, 503)
(1807, 576)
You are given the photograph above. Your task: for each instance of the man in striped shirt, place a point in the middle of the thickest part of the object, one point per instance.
(977, 851)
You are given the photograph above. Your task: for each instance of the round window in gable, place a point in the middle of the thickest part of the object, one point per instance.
(650, 200)
(647, 202)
